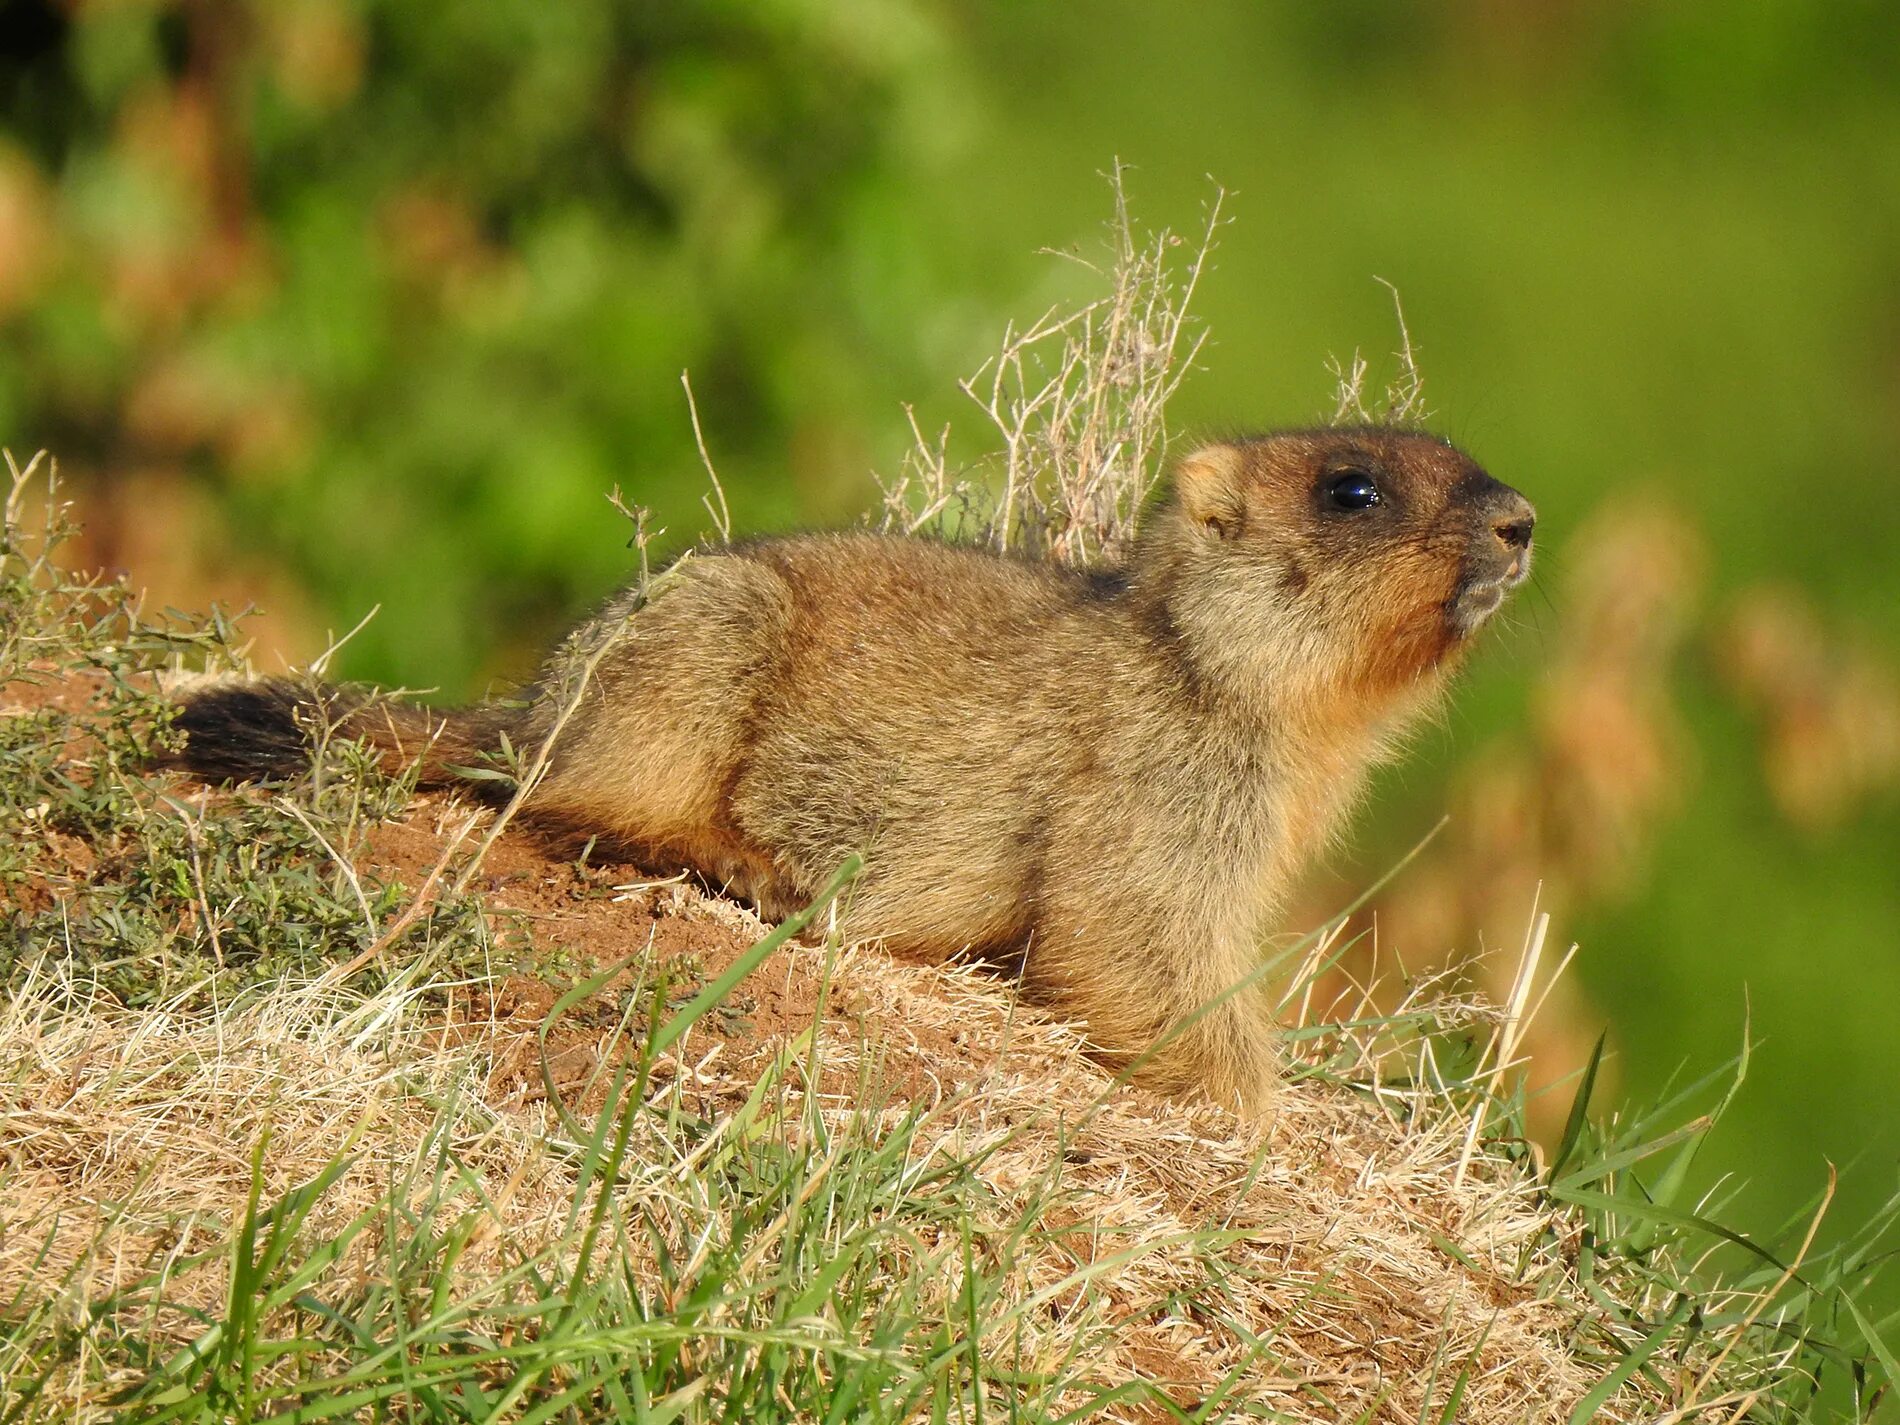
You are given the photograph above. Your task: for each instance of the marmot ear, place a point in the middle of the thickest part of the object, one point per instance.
(1211, 485)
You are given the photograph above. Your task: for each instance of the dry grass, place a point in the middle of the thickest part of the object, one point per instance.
(1402, 403)
(1338, 1266)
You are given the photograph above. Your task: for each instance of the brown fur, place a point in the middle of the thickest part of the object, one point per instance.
(1108, 778)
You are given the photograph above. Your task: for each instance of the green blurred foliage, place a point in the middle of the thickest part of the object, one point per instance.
(412, 285)
(408, 286)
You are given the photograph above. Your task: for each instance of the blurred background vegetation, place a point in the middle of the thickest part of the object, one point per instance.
(328, 304)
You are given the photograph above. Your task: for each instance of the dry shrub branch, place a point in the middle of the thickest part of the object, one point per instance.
(1078, 401)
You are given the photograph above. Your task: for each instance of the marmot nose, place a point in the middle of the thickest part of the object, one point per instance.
(1512, 520)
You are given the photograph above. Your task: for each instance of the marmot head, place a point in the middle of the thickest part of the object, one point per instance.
(1363, 558)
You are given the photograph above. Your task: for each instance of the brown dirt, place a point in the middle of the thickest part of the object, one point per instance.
(584, 919)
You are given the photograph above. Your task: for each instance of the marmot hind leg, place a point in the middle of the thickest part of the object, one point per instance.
(665, 723)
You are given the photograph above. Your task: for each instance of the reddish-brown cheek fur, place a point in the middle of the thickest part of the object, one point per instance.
(1406, 634)
(1412, 636)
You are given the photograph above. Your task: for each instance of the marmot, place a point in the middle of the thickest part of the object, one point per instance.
(1107, 779)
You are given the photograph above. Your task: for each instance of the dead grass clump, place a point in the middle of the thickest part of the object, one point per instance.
(1078, 401)
(135, 1136)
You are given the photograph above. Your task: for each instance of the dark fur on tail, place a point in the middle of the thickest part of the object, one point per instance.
(267, 731)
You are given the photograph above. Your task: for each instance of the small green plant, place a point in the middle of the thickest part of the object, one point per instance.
(136, 879)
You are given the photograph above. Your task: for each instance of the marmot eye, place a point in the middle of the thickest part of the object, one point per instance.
(1352, 491)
